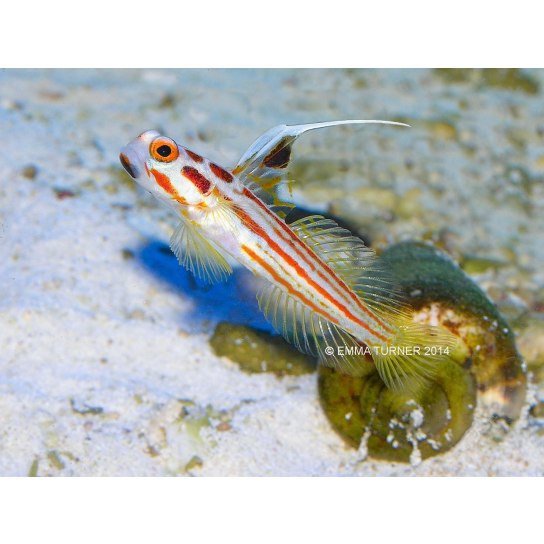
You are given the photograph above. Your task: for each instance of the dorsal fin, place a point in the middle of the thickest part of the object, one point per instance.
(354, 263)
(263, 167)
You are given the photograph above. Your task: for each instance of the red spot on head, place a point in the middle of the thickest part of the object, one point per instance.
(194, 156)
(164, 182)
(195, 177)
(220, 173)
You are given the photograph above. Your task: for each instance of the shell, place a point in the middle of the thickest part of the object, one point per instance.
(490, 372)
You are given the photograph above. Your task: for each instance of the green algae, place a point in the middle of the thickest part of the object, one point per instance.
(441, 128)
(194, 418)
(127, 254)
(54, 459)
(356, 77)
(30, 171)
(512, 79)
(537, 410)
(194, 462)
(168, 101)
(518, 176)
(473, 264)
(33, 470)
(256, 351)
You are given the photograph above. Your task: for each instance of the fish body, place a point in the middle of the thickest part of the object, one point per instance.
(324, 289)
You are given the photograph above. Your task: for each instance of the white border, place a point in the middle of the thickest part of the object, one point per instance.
(279, 34)
(274, 33)
(276, 510)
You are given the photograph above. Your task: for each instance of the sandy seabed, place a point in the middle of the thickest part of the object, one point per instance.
(104, 338)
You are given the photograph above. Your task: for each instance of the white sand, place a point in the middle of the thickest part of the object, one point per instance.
(101, 354)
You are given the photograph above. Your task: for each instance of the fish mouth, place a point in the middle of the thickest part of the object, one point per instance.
(133, 156)
(128, 166)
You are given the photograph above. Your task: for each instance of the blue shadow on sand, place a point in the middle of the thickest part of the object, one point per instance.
(232, 300)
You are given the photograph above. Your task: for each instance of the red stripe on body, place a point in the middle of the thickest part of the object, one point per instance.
(196, 178)
(165, 183)
(294, 238)
(248, 222)
(287, 286)
(221, 173)
(195, 156)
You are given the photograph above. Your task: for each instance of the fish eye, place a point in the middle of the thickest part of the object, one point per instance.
(164, 149)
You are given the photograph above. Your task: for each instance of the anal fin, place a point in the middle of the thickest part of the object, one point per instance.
(311, 333)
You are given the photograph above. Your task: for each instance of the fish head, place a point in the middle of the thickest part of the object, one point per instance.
(165, 169)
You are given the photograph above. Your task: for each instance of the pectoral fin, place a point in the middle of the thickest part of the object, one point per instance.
(198, 254)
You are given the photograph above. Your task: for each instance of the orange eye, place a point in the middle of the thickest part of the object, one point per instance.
(164, 149)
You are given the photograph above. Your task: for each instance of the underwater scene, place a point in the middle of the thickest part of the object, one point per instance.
(272, 272)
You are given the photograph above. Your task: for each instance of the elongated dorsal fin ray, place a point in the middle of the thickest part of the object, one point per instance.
(311, 333)
(266, 160)
(273, 148)
(199, 255)
(356, 264)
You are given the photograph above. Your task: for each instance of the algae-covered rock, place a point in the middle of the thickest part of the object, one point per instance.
(257, 351)
(489, 371)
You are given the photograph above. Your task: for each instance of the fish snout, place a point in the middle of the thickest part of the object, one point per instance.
(134, 155)
(128, 164)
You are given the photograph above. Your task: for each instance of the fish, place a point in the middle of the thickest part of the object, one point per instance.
(324, 290)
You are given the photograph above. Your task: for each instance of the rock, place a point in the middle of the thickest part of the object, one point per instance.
(256, 351)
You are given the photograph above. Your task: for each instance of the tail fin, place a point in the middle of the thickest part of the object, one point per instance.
(414, 354)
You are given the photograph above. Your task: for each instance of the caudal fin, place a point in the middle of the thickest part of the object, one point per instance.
(414, 355)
